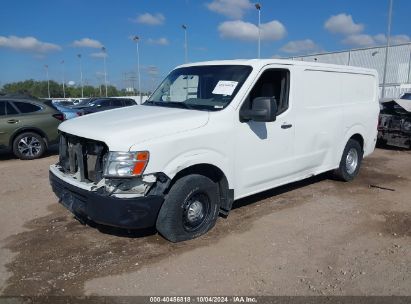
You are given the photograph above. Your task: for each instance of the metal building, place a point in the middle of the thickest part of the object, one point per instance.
(398, 72)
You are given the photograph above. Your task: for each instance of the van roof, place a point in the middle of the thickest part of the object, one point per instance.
(259, 63)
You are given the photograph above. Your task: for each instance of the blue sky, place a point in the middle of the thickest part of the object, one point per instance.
(35, 33)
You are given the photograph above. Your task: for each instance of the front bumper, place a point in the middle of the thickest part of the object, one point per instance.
(129, 213)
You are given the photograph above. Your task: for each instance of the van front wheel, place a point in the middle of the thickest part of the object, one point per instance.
(350, 161)
(190, 209)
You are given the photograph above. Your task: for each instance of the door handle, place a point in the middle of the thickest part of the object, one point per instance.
(13, 121)
(286, 126)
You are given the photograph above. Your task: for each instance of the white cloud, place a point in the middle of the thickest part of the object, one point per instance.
(99, 55)
(301, 47)
(399, 39)
(246, 31)
(159, 41)
(29, 44)
(380, 38)
(150, 19)
(364, 40)
(395, 39)
(343, 24)
(230, 8)
(87, 43)
(360, 40)
(353, 32)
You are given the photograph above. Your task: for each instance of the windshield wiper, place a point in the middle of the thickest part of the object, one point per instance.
(182, 105)
(151, 102)
(173, 104)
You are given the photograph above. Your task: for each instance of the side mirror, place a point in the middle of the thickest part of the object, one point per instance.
(263, 109)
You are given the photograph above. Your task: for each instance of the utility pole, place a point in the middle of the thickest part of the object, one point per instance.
(185, 43)
(136, 40)
(46, 66)
(105, 70)
(99, 78)
(409, 67)
(258, 7)
(81, 75)
(64, 80)
(386, 48)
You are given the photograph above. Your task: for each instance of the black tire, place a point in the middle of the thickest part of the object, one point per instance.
(175, 222)
(350, 161)
(29, 145)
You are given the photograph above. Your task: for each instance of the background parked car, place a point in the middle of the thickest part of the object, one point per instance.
(68, 112)
(406, 96)
(27, 126)
(103, 104)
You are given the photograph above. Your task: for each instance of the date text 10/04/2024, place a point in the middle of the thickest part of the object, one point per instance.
(203, 299)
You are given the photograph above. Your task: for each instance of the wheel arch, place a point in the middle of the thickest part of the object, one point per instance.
(216, 175)
(356, 132)
(359, 138)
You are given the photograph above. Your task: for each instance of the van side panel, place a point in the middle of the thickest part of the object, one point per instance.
(361, 108)
(334, 104)
(319, 120)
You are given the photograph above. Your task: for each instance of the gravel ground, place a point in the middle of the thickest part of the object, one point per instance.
(315, 237)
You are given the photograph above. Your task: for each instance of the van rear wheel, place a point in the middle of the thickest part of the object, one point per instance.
(350, 161)
(190, 209)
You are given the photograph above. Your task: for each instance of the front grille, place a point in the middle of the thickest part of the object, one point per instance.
(82, 156)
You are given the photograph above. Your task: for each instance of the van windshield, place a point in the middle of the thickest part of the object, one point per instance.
(208, 87)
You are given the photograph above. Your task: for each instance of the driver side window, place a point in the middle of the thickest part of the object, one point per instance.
(273, 83)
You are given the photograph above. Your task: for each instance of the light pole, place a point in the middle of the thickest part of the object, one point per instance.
(46, 66)
(136, 40)
(386, 48)
(105, 71)
(99, 80)
(185, 43)
(81, 75)
(64, 80)
(409, 67)
(258, 7)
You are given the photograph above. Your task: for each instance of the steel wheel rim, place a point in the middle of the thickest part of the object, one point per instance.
(195, 212)
(29, 146)
(351, 161)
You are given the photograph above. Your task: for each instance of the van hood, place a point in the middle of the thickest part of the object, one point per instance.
(124, 127)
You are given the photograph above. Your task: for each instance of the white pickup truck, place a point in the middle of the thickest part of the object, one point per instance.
(211, 133)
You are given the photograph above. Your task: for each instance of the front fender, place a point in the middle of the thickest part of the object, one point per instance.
(197, 157)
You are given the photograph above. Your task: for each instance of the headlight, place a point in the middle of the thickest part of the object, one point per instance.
(126, 164)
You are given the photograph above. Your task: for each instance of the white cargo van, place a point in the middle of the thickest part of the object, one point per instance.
(214, 132)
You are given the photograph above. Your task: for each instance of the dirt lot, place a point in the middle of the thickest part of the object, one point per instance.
(314, 237)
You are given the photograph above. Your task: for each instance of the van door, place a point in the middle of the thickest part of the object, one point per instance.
(265, 150)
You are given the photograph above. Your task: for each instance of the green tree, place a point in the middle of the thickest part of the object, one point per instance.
(39, 89)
